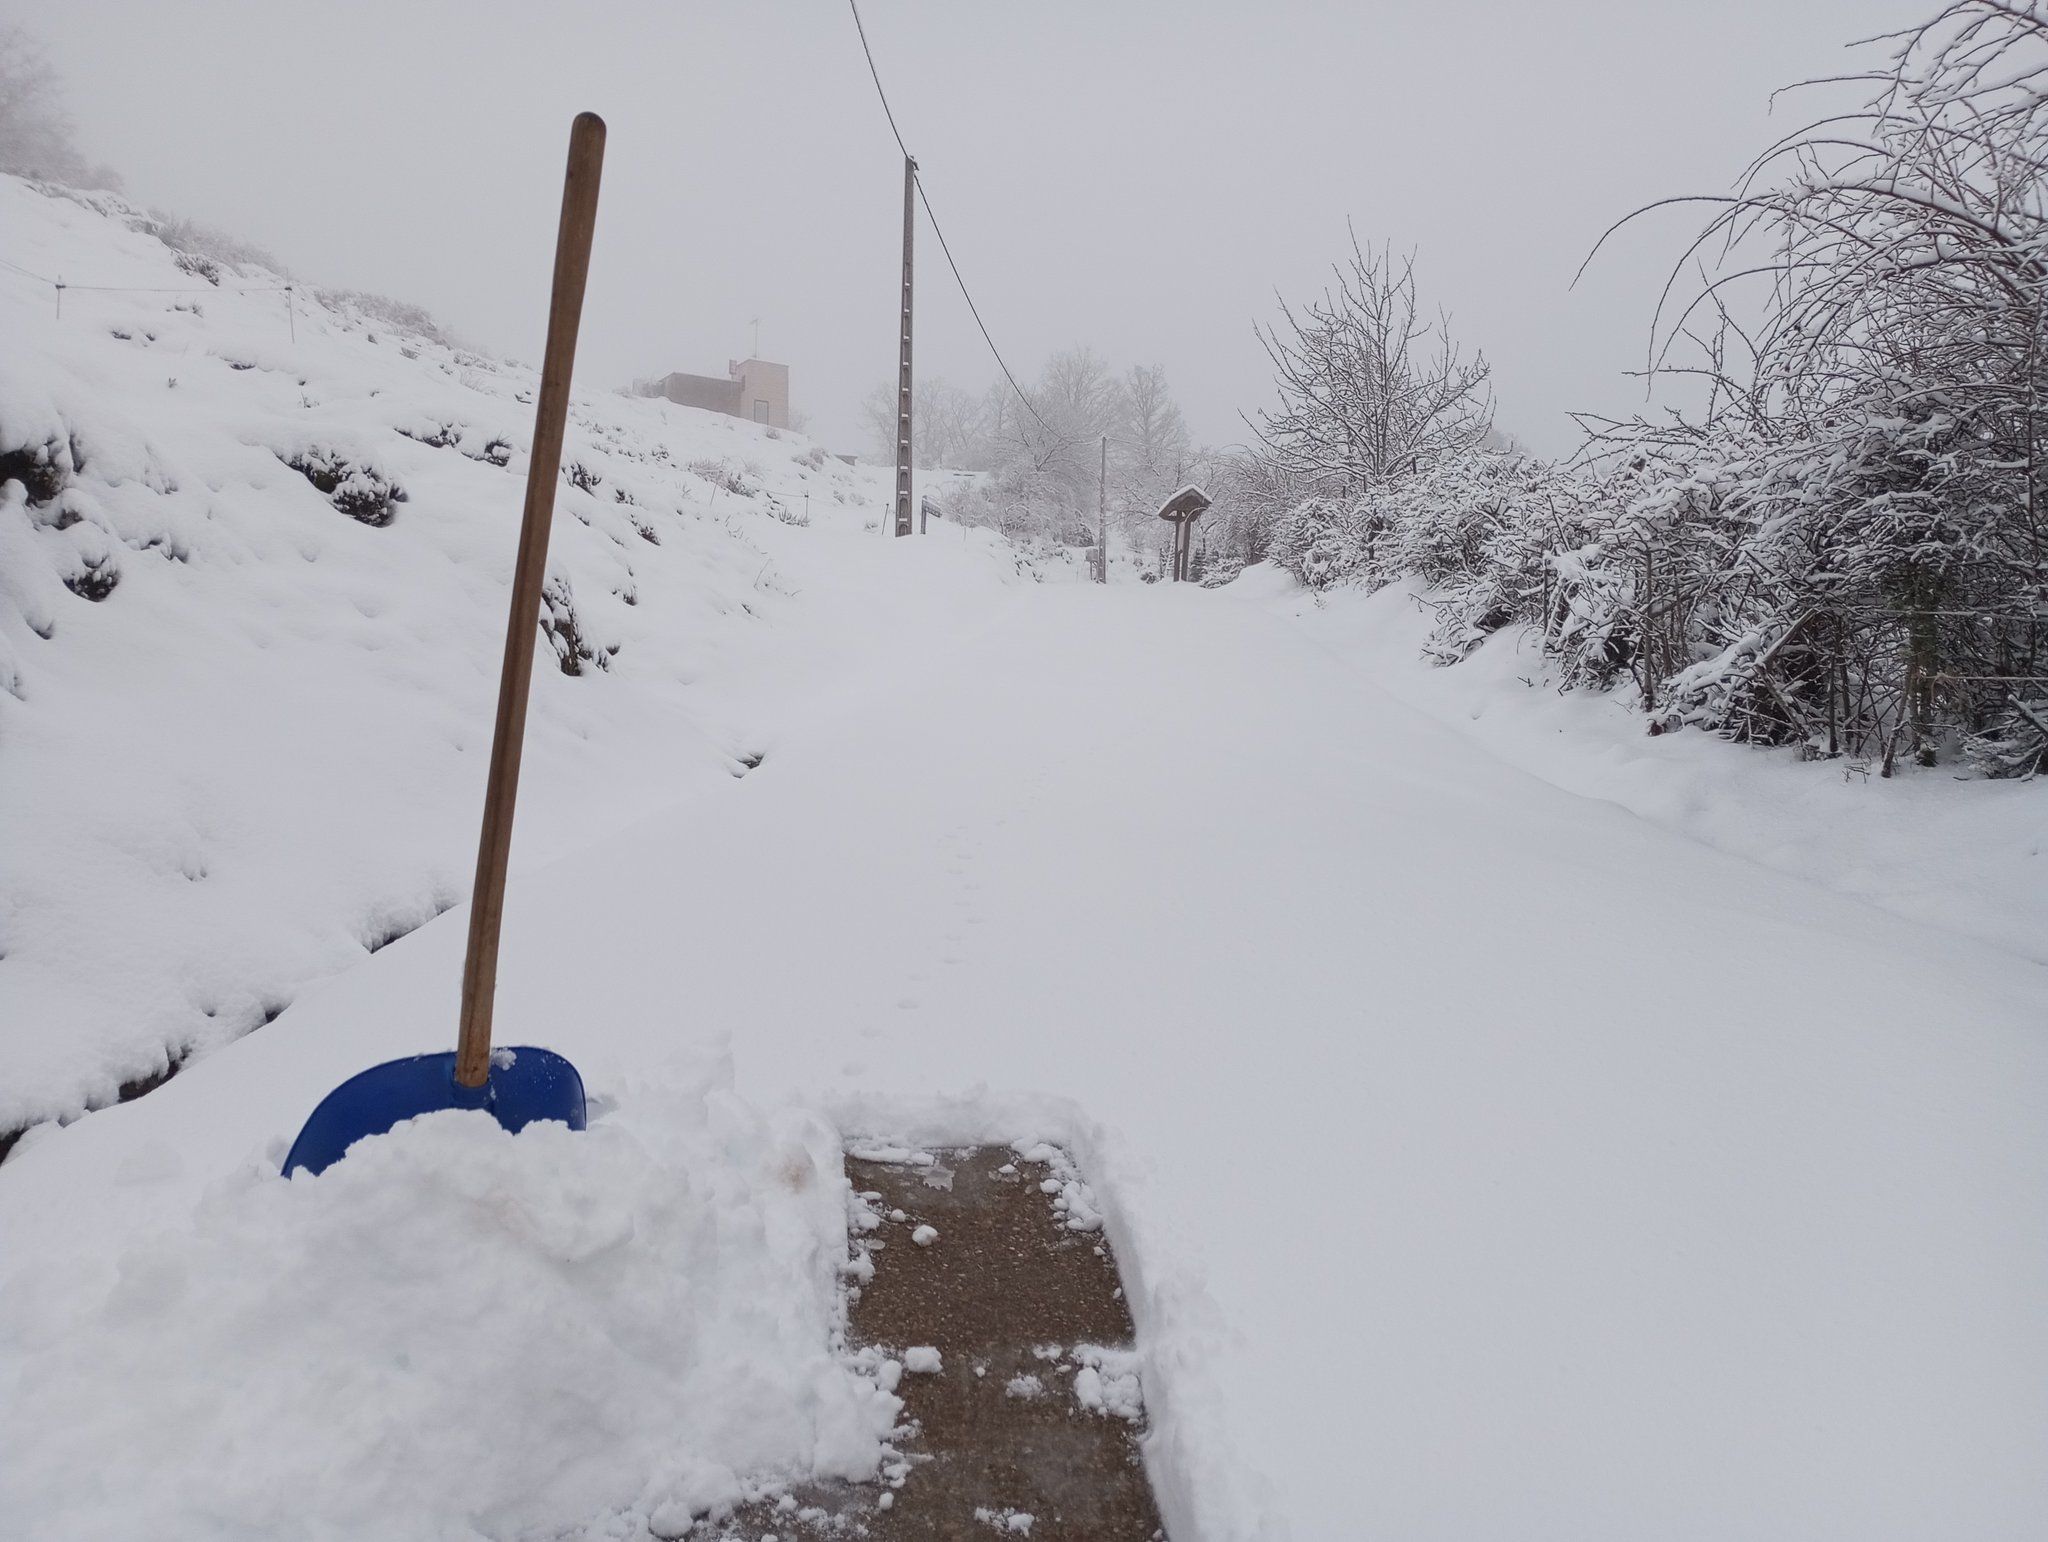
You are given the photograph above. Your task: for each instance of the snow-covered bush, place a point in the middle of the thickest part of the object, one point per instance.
(359, 491)
(1322, 541)
(1844, 549)
(400, 316)
(203, 243)
(725, 476)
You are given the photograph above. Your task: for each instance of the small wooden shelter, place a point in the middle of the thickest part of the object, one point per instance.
(1183, 509)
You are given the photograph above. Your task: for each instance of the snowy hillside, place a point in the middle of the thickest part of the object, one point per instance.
(253, 566)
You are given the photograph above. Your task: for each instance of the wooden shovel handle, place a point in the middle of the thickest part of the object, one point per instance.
(494, 852)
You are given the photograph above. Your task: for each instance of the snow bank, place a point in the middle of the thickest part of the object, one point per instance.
(1962, 853)
(481, 1334)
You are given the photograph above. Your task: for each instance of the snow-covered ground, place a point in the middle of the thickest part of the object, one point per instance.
(1494, 1144)
(1955, 851)
(259, 755)
(1484, 1160)
(452, 1334)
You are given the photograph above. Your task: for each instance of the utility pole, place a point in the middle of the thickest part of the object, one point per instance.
(903, 358)
(1102, 516)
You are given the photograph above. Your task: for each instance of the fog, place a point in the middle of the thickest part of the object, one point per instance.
(1141, 177)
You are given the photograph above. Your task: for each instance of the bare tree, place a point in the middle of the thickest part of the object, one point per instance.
(1369, 388)
(1045, 453)
(1073, 405)
(948, 424)
(1150, 453)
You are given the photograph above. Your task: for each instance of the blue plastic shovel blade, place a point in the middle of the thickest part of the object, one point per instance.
(525, 1084)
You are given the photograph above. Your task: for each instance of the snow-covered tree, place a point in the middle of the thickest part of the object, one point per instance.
(1150, 451)
(37, 138)
(1873, 572)
(948, 424)
(1369, 387)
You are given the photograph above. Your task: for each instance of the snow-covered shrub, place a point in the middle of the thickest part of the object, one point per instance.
(42, 468)
(1321, 541)
(400, 316)
(360, 492)
(199, 267)
(95, 577)
(439, 436)
(2014, 743)
(1844, 550)
(203, 243)
(724, 476)
(566, 631)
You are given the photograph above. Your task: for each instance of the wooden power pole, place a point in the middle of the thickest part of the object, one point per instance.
(1102, 516)
(903, 357)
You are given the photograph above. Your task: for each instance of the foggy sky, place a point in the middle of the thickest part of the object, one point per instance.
(1137, 175)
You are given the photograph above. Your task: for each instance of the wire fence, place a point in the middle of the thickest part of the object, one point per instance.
(60, 286)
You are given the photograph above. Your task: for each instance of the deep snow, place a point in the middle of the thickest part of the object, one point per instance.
(1956, 851)
(1483, 1159)
(453, 1333)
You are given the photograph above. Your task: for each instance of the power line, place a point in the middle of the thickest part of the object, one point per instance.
(925, 198)
(863, 31)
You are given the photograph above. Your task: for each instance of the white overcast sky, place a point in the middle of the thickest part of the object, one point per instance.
(1137, 175)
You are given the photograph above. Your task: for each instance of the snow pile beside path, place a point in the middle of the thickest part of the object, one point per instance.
(453, 1333)
(1962, 853)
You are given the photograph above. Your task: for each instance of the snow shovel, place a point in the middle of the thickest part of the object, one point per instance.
(517, 1086)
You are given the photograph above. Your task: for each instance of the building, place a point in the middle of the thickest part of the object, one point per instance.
(753, 388)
